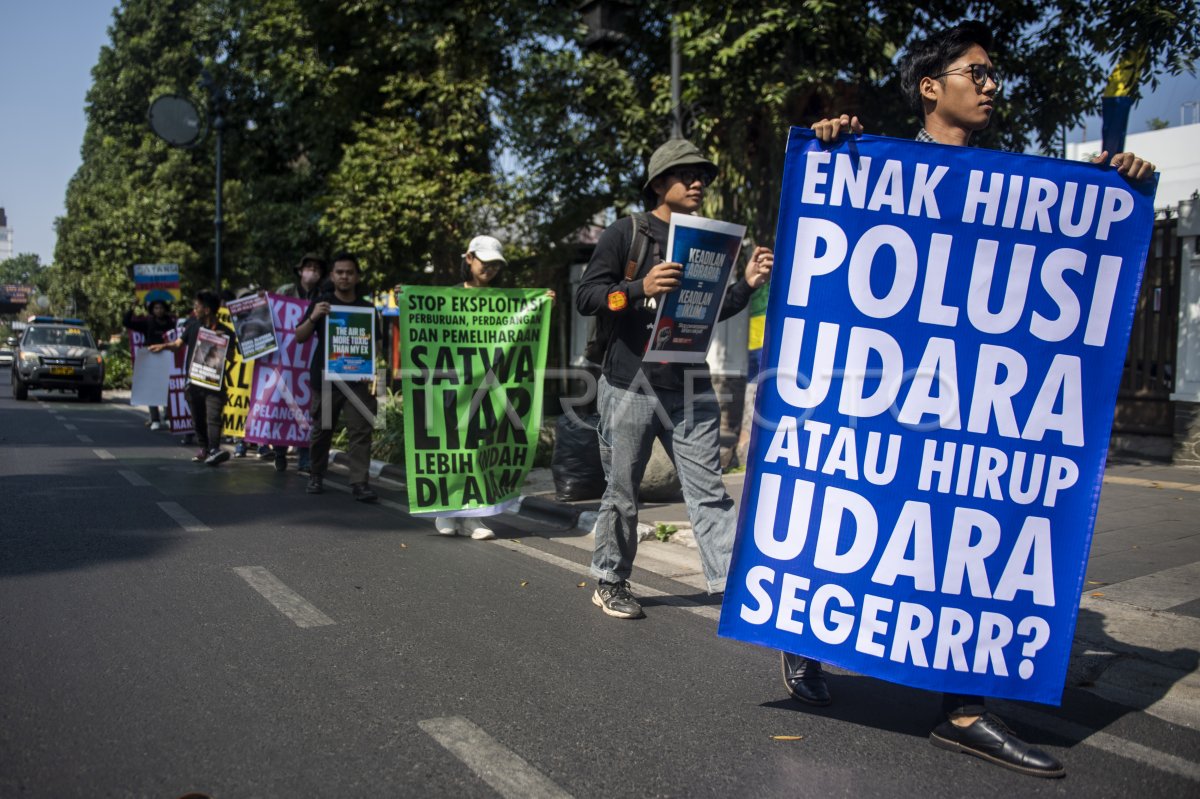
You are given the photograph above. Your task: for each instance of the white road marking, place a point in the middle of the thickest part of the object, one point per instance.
(508, 774)
(285, 600)
(1160, 590)
(186, 520)
(86, 440)
(134, 478)
(1105, 741)
(70, 427)
(704, 611)
(1144, 483)
(102, 454)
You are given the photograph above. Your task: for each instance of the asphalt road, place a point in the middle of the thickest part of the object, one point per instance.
(168, 627)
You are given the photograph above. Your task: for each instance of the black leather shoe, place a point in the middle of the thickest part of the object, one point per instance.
(804, 680)
(363, 493)
(316, 484)
(991, 739)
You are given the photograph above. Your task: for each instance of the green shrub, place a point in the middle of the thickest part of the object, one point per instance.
(118, 367)
(387, 442)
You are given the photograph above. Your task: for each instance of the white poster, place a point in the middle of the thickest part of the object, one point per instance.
(151, 375)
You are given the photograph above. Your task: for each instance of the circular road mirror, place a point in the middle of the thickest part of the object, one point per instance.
(176, 120)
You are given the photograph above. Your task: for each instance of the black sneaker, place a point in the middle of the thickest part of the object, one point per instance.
(363, 493)
(217, 457)
(990, 738)
(615, 600)
(316, 485)
(280, 460)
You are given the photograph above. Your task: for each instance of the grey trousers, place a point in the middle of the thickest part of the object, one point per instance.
(629, 422)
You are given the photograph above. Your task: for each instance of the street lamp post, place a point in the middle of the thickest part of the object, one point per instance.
(606, 22)
(216, 116)
(175, 119)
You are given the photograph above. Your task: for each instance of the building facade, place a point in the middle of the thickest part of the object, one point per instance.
(6, 238)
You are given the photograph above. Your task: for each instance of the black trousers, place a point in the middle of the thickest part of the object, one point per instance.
(328, 403)
(206, 415)
(958, 705)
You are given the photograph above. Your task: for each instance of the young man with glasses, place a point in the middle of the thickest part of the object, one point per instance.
(638, 401)
(950, 80)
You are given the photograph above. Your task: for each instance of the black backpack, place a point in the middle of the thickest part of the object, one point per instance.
(639, 247)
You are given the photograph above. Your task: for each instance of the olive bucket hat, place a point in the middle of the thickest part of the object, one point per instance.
(675, 153)
(313, 258)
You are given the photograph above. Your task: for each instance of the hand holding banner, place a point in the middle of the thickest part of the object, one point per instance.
(945, 334)
(207, 368)
(349, 343)
(255, 329)
(156, 283)
(474, 360)
(282, 393)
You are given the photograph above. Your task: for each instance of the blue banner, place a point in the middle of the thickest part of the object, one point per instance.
(945, 333)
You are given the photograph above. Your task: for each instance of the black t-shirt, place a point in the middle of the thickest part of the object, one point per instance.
(191, 331)
(318, 361)
(605, 274)
(153, 328)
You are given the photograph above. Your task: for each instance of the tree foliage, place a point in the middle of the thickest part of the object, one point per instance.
(401, 129)
(25, 269)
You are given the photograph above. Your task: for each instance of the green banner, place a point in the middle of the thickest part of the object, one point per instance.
(472, 363)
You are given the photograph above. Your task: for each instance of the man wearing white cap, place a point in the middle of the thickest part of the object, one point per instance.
(481, 264)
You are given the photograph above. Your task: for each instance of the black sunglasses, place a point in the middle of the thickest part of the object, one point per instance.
(689, 176)
(979, 74)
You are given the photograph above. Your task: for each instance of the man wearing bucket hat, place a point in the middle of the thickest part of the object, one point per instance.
(638, 401)
(310, 273)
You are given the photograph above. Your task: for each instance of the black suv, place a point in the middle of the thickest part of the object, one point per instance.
(58, 353)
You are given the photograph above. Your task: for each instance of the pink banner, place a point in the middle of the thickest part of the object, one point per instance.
(281, 393)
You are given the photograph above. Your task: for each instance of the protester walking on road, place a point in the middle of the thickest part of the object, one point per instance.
(310, 271)
(638, 401)
(153, 328)
(330, 398)
(206, 401)
(951, 82)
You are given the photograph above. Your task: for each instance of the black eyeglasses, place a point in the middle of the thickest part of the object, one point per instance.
(979, 74)
(690, 176)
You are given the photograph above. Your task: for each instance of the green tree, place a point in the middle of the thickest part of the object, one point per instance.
(25, 269)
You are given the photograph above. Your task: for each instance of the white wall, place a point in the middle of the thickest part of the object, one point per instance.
(1175, 151)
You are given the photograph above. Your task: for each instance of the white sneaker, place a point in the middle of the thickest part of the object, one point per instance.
(478, 530)
(445, 525)
(156, 425)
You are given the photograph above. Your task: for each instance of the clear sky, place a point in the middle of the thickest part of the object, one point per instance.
(48, 49)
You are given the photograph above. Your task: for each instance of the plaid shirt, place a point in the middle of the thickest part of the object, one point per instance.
(923, 135)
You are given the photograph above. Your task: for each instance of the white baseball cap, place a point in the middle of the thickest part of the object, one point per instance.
(486, 248)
